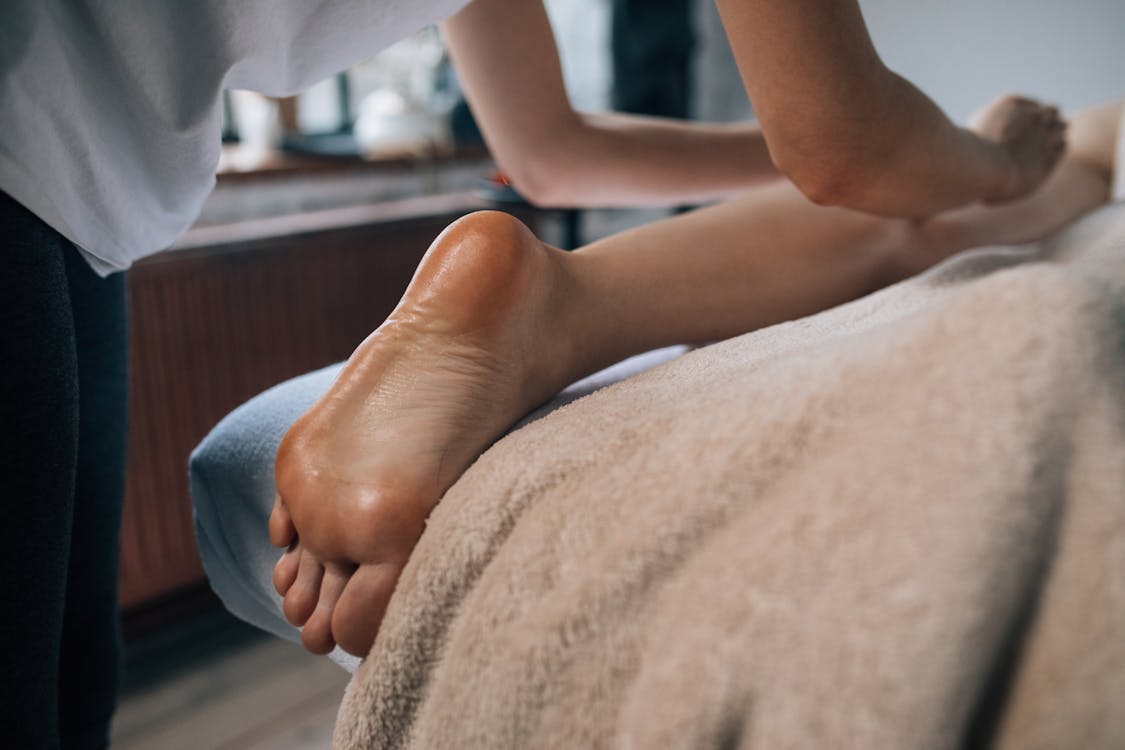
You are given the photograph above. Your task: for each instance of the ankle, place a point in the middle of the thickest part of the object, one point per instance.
(560, 326)
(596, 320)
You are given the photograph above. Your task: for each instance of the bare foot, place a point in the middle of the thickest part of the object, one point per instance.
(1032, 136)
(477, 340)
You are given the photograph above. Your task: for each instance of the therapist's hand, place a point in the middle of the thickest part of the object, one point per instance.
(1031, 134)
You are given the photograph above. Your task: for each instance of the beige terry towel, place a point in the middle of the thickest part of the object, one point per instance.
(897, 524)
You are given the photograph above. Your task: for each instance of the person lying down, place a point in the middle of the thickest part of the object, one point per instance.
(496, 322)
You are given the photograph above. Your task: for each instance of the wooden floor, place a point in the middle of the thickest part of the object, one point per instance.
(215, 683)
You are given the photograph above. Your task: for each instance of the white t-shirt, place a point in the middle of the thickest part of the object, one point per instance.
(110, 109)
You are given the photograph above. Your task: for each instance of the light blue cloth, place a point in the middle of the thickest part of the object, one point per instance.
(232, 487)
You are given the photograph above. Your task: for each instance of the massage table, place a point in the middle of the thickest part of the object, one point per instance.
(899, 523)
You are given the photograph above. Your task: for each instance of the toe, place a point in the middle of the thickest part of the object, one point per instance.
(317, 633)
(301, 599)
(282, 531)
(362, 605)
(285, 571)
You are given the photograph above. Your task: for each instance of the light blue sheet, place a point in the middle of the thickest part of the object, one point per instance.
(232, 487)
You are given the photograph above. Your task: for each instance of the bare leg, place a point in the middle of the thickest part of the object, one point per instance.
(766, 257)
(495, 322)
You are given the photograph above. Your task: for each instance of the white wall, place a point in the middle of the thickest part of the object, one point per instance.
(582, 32)
(963, 53)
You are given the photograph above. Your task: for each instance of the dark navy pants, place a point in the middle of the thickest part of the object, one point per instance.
(63, 391)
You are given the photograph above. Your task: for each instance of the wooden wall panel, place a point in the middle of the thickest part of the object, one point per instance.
(230, 312)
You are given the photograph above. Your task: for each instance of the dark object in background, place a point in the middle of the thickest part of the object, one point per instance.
(652, 44)
(464, 126)
(230, 124)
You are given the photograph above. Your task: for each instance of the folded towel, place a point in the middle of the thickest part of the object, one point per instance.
(896, 524)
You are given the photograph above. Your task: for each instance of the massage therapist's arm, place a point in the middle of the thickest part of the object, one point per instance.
(850, 132)
(508, 63)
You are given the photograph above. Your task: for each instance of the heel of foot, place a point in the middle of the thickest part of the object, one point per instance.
(476, 269)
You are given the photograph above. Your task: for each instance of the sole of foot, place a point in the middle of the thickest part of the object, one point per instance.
(480, 337)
